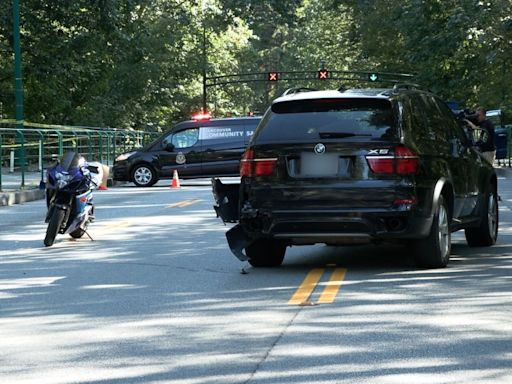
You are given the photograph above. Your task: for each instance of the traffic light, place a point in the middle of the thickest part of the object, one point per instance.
(373, 77)
(323, 74)
(273, 76)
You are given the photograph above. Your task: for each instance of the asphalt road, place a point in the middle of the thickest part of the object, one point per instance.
(158, 298)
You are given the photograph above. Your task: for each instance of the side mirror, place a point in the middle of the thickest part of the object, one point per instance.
(168, 146)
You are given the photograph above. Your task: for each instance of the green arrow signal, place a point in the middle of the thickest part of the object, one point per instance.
(373, 77)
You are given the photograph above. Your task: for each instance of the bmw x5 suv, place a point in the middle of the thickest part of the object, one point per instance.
(359, 166)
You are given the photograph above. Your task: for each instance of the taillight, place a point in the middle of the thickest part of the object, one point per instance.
(251, 167)
(408, 201)
(401, 161)
(246, 162)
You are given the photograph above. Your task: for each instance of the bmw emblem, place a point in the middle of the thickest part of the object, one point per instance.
(319, 148)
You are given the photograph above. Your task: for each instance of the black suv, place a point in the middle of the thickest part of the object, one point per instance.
(359, 166)
(195, 148)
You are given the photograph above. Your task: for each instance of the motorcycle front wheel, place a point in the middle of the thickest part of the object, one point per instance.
(53, 226)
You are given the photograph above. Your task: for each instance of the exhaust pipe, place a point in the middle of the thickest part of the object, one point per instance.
(395, 224)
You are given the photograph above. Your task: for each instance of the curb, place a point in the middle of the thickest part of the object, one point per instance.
(19, 197)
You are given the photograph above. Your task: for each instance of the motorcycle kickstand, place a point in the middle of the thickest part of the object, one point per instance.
(87, 233)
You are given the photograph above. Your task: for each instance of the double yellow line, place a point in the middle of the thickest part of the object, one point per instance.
(302, 294)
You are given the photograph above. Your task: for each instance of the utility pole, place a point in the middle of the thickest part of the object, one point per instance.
(204, 67)
(205, 58)
(18, 80)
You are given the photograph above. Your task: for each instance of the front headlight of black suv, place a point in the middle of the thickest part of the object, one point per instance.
(124, 156)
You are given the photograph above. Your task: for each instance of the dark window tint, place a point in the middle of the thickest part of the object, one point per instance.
(328, 119)
(186, 138)
(451, 122)
(428, 127)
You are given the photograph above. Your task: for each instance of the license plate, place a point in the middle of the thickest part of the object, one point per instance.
(327, 164)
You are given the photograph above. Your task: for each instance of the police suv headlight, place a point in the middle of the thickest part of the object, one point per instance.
(124, 156)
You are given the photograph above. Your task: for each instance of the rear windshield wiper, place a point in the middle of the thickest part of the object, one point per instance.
(340, 135)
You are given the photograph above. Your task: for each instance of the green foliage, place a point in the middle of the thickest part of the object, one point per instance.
(134, 63)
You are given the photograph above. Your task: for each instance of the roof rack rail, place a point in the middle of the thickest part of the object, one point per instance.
(403, 86)
(291, 91)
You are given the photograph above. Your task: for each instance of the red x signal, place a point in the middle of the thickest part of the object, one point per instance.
(273, 76)
(323, 74)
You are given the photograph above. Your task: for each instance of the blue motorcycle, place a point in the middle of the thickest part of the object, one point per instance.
(69, 196)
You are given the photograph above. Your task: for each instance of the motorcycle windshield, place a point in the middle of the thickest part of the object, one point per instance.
(70, 160)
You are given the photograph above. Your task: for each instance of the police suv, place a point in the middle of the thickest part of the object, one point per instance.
(201, 147)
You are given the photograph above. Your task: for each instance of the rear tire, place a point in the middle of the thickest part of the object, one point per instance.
(487, 233)
(266, 253)
(434, 251)
(53, 226)
(143, 175)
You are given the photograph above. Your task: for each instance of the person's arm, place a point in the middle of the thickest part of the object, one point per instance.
(470, 124)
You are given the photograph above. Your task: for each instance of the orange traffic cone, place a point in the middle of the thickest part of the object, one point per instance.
(175, 180)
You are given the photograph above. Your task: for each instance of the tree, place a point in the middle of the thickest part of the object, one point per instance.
(134, 63)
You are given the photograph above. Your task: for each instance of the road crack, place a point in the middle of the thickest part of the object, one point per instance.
(272, 346)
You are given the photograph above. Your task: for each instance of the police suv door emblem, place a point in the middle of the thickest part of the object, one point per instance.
(319, 148)
(180, 158)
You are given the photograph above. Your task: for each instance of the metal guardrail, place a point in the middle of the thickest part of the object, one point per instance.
(35, 146)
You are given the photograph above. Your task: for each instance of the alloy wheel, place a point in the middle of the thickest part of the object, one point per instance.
(143, 175)
(492, 214)
(443, 231)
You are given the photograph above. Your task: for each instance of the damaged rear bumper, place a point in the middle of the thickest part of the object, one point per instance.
(227, 208)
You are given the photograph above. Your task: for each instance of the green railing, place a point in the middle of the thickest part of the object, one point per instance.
(36, 146)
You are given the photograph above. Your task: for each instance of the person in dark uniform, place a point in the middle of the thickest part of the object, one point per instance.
(487, 145)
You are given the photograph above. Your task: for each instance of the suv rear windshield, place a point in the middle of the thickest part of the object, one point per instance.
(299, 120)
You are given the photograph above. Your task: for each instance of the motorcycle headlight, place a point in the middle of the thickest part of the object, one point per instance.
(62, 179)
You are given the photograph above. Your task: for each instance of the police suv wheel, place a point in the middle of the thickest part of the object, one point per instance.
(144, 175)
